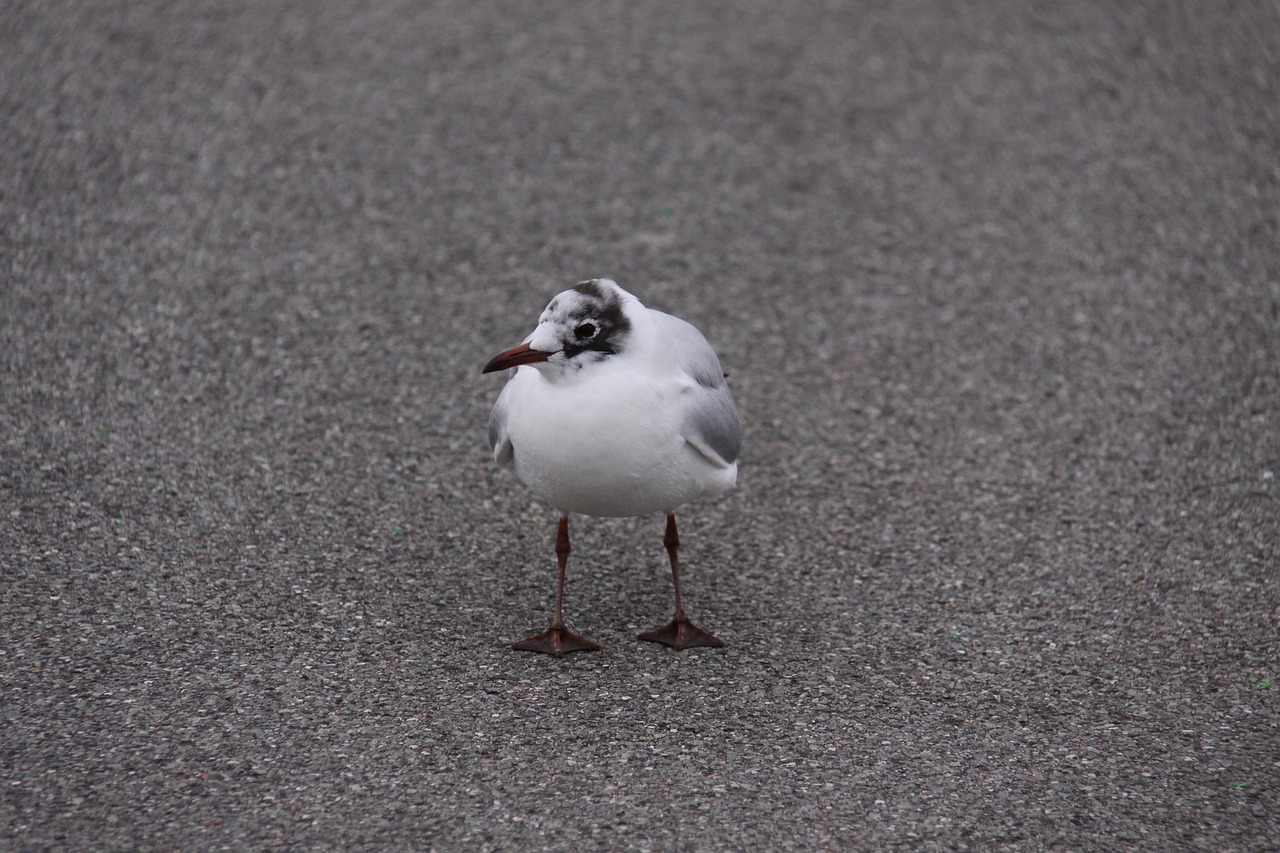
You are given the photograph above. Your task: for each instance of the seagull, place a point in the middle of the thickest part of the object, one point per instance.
(614, 410)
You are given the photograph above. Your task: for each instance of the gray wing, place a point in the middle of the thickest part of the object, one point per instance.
(499, 440)
(710, 417)
(711, 424)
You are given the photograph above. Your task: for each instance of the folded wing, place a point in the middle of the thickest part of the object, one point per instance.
(710, 421)
(499, 440)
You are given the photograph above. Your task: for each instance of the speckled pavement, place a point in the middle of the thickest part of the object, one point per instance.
(998, 290)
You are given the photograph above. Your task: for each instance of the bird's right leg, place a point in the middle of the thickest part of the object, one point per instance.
(558, 640)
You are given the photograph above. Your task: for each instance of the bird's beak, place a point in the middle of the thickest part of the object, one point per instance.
(514, 357)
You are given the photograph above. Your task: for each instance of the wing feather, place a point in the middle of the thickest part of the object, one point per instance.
(499, 438)
(710, 423)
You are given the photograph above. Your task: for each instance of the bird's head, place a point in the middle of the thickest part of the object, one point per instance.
(581, 326)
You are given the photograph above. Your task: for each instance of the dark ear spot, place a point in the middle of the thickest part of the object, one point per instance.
(591, 289)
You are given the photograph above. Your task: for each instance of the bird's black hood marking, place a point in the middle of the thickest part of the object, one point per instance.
(603, 308)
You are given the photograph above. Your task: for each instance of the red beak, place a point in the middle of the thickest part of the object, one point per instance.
(515, 357)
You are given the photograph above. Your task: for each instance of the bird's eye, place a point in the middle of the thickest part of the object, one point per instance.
(585, 331)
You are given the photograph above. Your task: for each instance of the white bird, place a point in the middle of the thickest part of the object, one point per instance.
(615, 409)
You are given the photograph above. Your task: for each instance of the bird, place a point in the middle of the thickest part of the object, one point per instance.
(615, 410)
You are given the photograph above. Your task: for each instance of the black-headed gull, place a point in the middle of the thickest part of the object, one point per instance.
(615, 410)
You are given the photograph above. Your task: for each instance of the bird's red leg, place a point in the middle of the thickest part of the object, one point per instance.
(558, 640)
(679, 633)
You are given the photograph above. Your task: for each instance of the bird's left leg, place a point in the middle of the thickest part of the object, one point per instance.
(679, 633)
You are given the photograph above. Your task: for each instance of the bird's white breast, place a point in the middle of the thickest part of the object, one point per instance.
(607, 442)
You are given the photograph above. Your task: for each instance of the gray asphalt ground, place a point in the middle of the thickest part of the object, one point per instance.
(998, 290)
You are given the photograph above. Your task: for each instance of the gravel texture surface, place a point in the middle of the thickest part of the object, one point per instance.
(998, 289)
